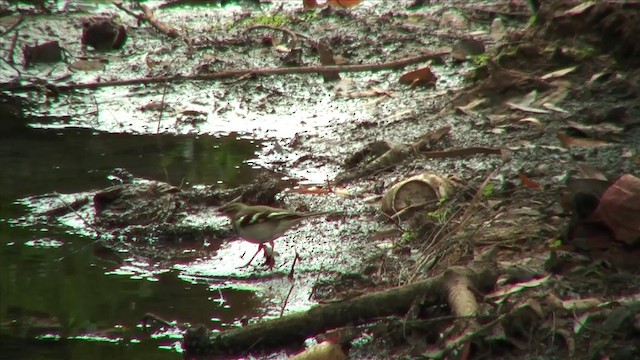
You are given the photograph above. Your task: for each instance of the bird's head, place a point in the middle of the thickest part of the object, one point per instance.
(232, 209)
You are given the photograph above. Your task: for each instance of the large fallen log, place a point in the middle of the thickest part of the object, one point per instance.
(295, 328)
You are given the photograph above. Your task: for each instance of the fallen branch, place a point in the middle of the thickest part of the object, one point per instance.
(393, 155)
(299, 326)
(230, 73)
(148, 16)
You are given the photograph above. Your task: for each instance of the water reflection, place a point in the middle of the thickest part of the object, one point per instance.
(55, 285)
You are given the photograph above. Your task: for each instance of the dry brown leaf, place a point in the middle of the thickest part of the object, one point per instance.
(591, 172)
(603, 130)
(343, 3)
(559, 94)
(577, 10)
(309, 4)
(552, 107)
(468, 109)
(558, 73)
(326, 58)
(533, 121)
(527, 108)
(568, 141)
(422, 76)
(528, 183)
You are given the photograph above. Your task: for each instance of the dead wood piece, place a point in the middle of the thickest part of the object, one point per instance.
(160, 26)
(462, 152)
(299, 326)
(148, 16)
(394, 155)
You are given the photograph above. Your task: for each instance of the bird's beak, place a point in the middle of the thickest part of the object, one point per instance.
(224, 206)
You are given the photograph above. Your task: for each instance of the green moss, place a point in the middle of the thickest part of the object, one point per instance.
(481, 60)
(408, 236)
(488, 190)
(277, 20)
(555, 244)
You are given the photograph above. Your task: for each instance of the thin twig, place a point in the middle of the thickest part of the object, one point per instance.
(77, 214)
(12, 47)
(162, 105)
(286, 300)
(294, 35)
(98, 233)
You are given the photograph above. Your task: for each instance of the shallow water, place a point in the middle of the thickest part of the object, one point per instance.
(63, 295)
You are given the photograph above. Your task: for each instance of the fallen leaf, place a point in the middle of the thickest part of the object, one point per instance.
(467, 109)
(343, 3)
(496, 119)
(596, 77)
(326, 58)
(602, 130)
(422, 76)
(568, 141)
(577, 10)
(309, 4)
(340, 60)
(591, 172)
(527, 108)
(552, 107)
(532, 121)
(528, 183)
(559, 94)
(558, 73)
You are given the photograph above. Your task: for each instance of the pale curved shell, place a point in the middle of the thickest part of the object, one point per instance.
(422, 189)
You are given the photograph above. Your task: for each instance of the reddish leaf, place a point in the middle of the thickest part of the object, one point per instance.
(421, 76)
(309, 4)
(619, 209)
(568, 141)
(528, 183)
(344, 3)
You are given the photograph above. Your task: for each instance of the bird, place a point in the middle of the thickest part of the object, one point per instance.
(262, 224)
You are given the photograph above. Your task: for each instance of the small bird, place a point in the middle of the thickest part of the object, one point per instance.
(261, 224)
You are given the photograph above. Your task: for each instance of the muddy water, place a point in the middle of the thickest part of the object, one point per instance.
(63, 295)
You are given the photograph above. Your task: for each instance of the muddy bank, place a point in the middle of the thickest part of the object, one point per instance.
(548, 101)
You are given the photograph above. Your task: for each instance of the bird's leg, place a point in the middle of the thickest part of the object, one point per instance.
(260, 247)
(270, 259)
